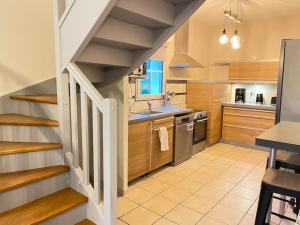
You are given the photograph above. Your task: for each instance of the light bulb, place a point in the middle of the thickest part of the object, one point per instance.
(235, 41)
(224, 38)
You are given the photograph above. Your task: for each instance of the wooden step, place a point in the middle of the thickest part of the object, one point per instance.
(44, 208)
(85, 222)
(13, 180)
(8, 147)
(14, 119)
(49, 98)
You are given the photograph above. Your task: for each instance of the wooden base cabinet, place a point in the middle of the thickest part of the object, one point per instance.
(144, 151)
(160, 158)
(244, 125)
(139, 139)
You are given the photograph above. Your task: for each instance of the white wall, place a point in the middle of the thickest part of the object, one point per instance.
(26, 44)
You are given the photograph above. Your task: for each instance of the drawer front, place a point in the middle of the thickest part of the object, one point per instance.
(164, 122)
(158, 157)
(249, 112)
(246, 121)
(240, 135)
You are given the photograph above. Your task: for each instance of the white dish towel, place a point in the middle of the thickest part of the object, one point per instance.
(163, 137)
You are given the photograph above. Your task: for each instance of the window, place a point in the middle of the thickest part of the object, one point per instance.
(154, 84)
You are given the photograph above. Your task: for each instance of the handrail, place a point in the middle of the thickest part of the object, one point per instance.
(104, 133)
(66, 12)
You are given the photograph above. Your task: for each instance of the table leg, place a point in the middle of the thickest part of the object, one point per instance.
(272, 162)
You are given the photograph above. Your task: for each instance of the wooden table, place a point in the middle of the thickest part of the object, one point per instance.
(284, 136)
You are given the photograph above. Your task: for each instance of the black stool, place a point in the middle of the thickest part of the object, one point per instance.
(276, 182)
(288, 160)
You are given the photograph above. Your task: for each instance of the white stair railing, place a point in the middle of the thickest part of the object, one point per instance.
(95, 163)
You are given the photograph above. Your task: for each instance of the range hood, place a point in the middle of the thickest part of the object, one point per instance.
(181, 59)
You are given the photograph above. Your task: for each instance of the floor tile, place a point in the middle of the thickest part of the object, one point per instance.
(226, 215)
(164, 221)
(199, 204)
(251, 194)
(209, 221)
(222, 184)
(169, 178)
(160, 205)
(140, 216)
(120, 222)
(175, 194)
(236, 202)
(211, 194)
(184, 216)
(189, 185)
(139, 195)
(124, 206)
(154, 186)
(247, 220)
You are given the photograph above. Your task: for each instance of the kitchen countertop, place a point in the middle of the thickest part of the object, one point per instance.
(249, 106)
(164, 112)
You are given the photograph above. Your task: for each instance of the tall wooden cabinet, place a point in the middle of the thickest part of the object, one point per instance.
(209, 96)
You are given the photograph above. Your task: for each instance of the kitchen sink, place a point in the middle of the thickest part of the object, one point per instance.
(149, 112)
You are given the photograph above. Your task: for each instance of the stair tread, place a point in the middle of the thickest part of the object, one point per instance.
(13, 180)
(44, 208)
(25, 120)
(85, 222)
(9, 147)
(48, 98)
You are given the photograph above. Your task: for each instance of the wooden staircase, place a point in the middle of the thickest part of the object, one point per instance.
(36, 195)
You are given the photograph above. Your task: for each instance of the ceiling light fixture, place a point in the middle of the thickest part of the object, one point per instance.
(224, 39)
(235, 39)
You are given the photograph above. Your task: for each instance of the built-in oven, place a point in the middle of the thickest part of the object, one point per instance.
(200, 131)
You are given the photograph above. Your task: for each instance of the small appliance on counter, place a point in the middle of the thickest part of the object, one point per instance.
(273, 101)
(260, 98)
(240, 95)
(200, 130)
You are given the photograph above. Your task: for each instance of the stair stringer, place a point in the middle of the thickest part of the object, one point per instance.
(94, 211)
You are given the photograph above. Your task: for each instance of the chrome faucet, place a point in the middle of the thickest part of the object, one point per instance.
(149, 105)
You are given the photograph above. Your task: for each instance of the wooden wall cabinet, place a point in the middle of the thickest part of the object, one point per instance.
(209, 96)
(255, 71)
(139, 139)
(158, 157)
(244, 125)
(144, 152)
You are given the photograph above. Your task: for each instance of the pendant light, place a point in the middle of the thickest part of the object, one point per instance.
(224, 39)
(235, 40)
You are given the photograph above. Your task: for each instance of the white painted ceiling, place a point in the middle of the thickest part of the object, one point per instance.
(211, 12)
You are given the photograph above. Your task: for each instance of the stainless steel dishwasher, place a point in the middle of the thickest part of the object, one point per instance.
(183, 138)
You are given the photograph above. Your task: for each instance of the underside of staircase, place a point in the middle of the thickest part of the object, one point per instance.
(24, 195)
(128, 33)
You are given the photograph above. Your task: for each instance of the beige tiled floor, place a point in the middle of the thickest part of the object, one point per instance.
(218, 186)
